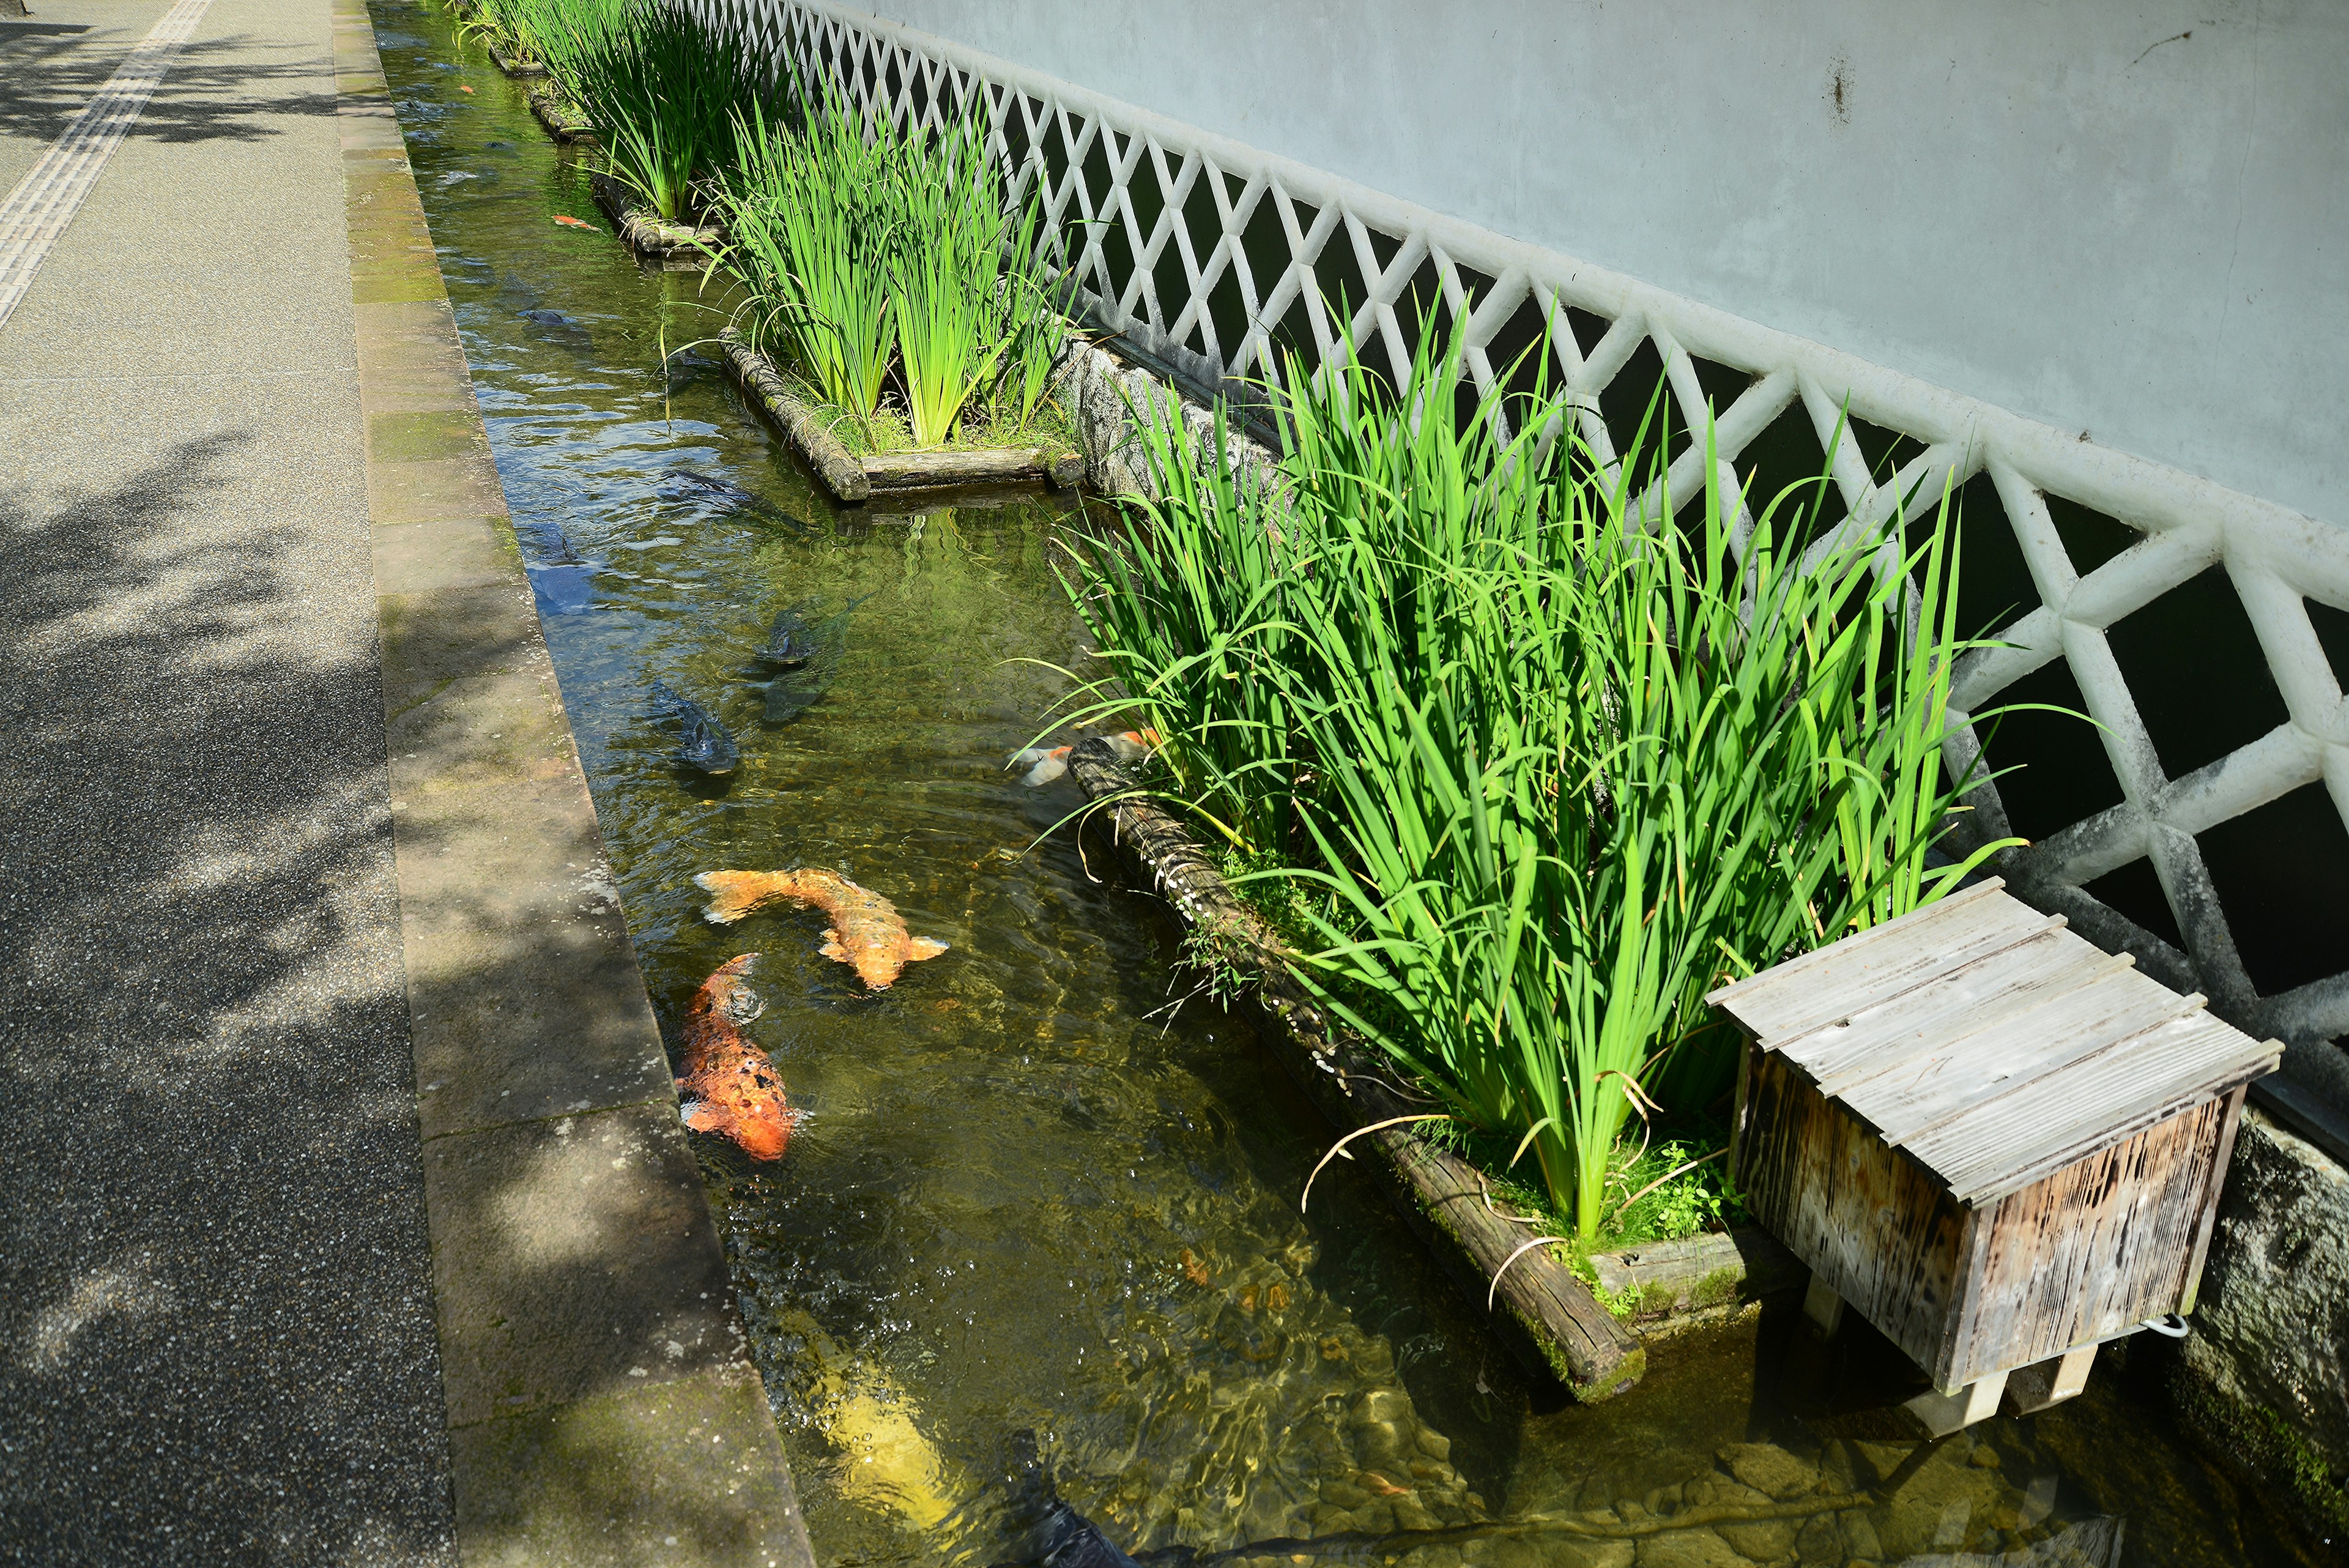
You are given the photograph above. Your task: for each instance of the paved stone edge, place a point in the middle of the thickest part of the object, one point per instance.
(602, 1404)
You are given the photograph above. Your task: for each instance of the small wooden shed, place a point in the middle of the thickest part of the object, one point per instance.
(1997, 1143)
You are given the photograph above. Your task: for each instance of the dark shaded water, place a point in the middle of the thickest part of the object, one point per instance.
(1031, 1192)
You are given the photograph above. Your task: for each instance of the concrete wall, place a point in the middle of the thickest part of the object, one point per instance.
(2131, 220)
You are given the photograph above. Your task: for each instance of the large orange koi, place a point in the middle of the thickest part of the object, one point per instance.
(729, 1086)
(865, 933)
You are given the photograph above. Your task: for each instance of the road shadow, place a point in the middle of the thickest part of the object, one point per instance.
(216, 1330)
(216, 89)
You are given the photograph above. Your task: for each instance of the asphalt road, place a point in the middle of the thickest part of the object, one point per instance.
(216, 1322)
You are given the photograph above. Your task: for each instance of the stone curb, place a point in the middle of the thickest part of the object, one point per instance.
(601, 1403)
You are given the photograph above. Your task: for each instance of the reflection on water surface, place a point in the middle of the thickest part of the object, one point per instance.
(1037, 1189)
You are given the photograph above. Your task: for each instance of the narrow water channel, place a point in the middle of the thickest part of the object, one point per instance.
(1037, 1189)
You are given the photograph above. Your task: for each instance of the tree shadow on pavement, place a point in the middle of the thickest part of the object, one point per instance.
(216, 1330)
(216, 89)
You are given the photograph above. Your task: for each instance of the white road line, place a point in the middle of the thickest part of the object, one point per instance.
(44, 200)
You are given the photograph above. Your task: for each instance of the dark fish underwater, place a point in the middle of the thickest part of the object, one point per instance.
(684, 485)
(563, 581)
(702, 741)
(807, 654)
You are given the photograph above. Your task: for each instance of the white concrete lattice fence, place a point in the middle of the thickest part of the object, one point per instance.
(1204, 253)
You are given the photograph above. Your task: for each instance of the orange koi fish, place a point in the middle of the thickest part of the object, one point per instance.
(730, 1084)
(464, 90)
(1043, 766)
(568, 222)
(865, 933)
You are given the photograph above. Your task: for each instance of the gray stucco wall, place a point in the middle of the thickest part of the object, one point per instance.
(2131, 220)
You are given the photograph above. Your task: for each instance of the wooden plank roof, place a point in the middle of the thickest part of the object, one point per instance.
(1991, 1043)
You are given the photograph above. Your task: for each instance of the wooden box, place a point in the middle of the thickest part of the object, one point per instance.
(1998, 1144)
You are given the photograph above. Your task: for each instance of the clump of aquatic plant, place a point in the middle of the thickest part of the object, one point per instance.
(663, 86)
(810, 222)
(507, 25)
(1551, 775)
(876, 256)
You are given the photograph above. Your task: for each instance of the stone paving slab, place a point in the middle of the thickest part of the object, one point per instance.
(601, 1406)
(681, 1472)
(571, 1257)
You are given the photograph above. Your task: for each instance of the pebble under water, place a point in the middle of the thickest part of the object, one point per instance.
(1042, 1186)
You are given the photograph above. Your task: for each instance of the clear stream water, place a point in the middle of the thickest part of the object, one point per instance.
(1031, 1192)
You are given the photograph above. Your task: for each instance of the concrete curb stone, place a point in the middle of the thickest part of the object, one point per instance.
(601, 1403)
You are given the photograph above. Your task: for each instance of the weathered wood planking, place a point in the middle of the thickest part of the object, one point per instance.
(2101, 1245)
(1966, 1074)
(1868, 1221)
(1758, 990)
(1878, 972)
(1969, 1000)
(2087, 1105)
(1996, 1142)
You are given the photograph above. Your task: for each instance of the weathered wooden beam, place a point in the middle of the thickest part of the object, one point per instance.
(1943, 1412)
(677, 246)
(1822, 1308)
(852, 478)
(2033, 1388)
(987, 465)
(1547, 1317)
(512, 68)
(564, 120)
(764, 386)
(1699, 1272)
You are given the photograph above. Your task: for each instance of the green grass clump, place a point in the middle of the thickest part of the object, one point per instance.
(504, 23)
(662, 85)
(893, 270)
(1549, 774)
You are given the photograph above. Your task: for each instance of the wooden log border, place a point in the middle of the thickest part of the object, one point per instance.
(855, 479)
(564, 120)
(679, 247)
(1549, 1318)
(510, 67)
(762, 384)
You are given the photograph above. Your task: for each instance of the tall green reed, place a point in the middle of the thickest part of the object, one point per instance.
(877, 255)
(810, 226)
(1551, 774)
(966, 304)
(662, 85)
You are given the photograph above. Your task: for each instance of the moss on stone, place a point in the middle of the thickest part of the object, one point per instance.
(2261, 1441)
(1718, 1288)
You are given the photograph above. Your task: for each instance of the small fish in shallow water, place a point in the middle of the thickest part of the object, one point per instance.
(568, 222)
(1044, 765)
(731, 1087)
(791, 641)
(564, 583)
(464, 90)
(708, 490)
(702, 741)
(546, 318)
(802, 685)
(866, 933)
